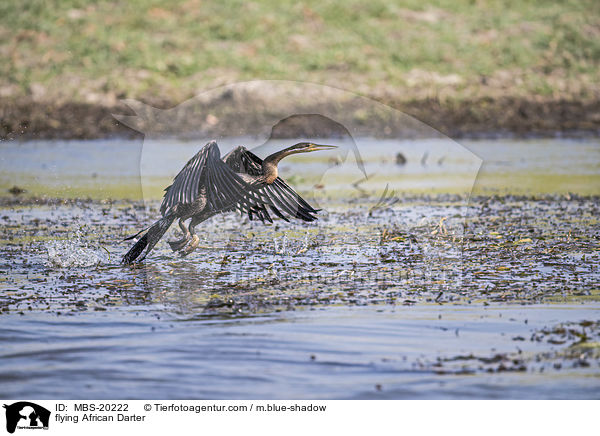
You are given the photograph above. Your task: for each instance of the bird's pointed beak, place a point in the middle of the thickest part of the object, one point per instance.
(316, 147)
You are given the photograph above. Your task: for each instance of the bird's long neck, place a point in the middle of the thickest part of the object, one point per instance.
(269, 164)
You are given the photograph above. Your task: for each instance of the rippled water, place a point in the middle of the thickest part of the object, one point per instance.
(368, 352)
(432, 296)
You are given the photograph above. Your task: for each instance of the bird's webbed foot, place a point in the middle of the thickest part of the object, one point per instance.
(191, 246)
(179, 244)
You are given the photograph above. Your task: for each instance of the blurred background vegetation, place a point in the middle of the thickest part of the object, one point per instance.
(450, 53)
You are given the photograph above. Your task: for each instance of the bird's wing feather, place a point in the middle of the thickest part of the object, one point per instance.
(282, 200)
(243, 161)
(224, 188)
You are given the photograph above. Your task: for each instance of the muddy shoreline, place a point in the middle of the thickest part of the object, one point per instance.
(26, 119)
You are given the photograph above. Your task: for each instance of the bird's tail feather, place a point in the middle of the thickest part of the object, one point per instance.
(148, 240)
(129, 238)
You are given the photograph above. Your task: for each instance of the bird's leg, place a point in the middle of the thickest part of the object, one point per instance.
(181, 243)
(195, 239)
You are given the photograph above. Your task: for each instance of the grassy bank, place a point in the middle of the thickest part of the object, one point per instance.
(67, 63)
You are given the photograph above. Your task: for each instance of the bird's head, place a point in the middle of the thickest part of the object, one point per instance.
(306, 147)
(301, 147)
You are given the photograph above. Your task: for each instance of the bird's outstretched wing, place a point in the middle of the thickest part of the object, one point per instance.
(278, 197)
(224, 188)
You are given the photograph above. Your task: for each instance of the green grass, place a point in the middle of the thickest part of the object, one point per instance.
(79, 50)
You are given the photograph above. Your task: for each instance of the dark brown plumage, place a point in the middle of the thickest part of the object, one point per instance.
(208, 185)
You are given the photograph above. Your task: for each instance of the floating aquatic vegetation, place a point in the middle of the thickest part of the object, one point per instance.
(502, 249)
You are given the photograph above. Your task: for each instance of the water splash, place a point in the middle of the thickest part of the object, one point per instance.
(281, 248)
(74, 252)
(287, 246)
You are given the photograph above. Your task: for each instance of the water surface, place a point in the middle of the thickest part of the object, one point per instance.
(406, 287)
(348, 353)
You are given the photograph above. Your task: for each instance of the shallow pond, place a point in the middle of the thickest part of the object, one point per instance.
(406, 287)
